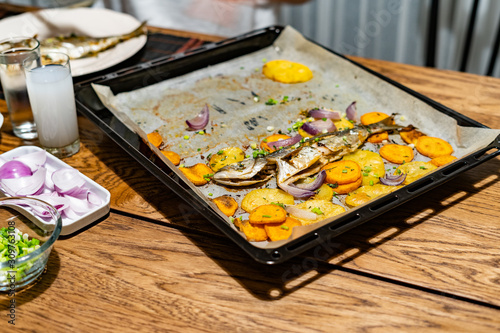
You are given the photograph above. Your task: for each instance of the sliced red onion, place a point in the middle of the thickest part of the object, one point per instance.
(323, 113)
(24, 186)
(350, 112)
(59, 203)
(319, 126)
(320, 178)
(286, 142)
(301, 213)
(68, 181)
(393, 180)
(93, 199)
(296, 192)
(70, 214)
(201, 120)
(33, 160)
(14, 169)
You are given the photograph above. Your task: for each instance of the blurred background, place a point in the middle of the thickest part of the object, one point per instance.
(447, 34)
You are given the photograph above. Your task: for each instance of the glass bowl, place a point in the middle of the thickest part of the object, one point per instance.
(23, 259)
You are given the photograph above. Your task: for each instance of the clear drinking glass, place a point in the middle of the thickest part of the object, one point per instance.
(13, 51)
(51, 94)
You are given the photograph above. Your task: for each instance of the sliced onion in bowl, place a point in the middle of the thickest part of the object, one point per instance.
(23, 186)
(68, 181)
(324, 113)
(284, 143)
(301, 213)
(201, 120)
(319, 126)
(14, 169)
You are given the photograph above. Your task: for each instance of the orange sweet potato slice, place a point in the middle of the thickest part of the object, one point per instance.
(199, 174)
(433, 147)
(226, 204)
(378, 137)
(442, 160)
(253, 233)
(272, 138)
(267, 214)
(410, 134)
(155, 139)
(372, 117)
(346, 188)
(398, 154)
(342, 172)
(277, 232)
(172, 156)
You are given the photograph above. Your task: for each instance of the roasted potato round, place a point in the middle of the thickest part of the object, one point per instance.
(265, 196)
(371, 163)
(324, 209)
(367, 193)
(415, 170)
(225, 157)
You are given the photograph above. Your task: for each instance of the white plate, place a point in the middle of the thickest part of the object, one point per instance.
(69, 226)
(82, 21)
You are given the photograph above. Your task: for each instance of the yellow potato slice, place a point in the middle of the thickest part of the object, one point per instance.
(324, 209)
(286, 71)
(415, 170)
(367, 193)
(265, 196)
(225, 157)
(325, 192)
(372, 165)
(343, 124)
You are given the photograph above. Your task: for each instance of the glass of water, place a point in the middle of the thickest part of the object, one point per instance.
(51, 94)
(13, 51)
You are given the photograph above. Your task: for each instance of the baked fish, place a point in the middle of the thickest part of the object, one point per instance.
(300, 160)
(77, 47)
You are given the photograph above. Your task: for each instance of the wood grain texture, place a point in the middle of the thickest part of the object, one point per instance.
(131, 275)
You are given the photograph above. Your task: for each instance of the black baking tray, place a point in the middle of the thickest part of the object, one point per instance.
(155, 71)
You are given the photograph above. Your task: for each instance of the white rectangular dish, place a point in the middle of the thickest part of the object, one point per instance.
(69, 225)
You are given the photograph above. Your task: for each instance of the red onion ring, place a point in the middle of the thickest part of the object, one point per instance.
(201, 120)
(296, 192)
(33, 160)
(284, 143)
(393, 180)
(301, 213)
(23, 186)
(317, 127)
(14, 169)
(324, 113)
(320, 178)
(350, 112)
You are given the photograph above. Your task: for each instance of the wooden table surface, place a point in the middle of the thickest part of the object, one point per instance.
(154, 265)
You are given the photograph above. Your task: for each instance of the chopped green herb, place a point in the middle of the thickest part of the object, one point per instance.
(371, 182)
(220, 152)
(186, 137)
(423, 168)
(278, 204)
(285, 227)
(271, 101)
(316, 211)
(267, 216)
(210, 194)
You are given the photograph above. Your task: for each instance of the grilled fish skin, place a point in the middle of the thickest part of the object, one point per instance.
(77, 47)
(293, 163)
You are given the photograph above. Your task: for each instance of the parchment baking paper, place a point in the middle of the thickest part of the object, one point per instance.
(238, 118)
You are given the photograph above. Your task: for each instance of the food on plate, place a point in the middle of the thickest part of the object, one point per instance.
(378, 137)
(371, 163)
(372, 117)
(172, 156)
(199, 174)
(267, 214)
(286, 71)
(367, 193)
(272, 139)
(77, 47)
(410, 135)
(398, 154)
(433, 147)
(265, 196)
(155, 139)
(253, 232)
(225, 157)
(442, 160)
(342, 172)
(322, 208)
(226, 204)
(281, 231)
(324, 192)
(298, 160)
(414, 170)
